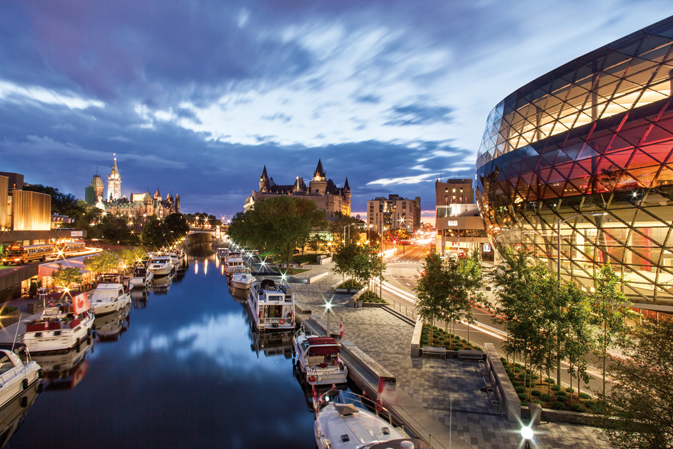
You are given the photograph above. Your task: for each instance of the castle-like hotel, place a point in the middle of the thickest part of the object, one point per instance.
(320, 190)
(136, 206)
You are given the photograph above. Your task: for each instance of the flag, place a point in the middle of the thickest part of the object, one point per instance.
(379, 399)
(315, 401)
(341, 328)
(80, 303)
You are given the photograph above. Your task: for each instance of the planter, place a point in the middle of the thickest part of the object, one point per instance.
(371, 304)
(348, 291)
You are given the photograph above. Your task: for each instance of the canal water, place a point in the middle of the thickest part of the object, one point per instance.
(181, 369)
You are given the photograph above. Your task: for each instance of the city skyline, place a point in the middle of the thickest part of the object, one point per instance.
(197, 98)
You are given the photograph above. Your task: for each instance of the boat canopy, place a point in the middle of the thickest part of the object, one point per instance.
(323, 345)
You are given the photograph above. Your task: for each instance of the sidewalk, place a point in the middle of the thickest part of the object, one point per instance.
(435, 384)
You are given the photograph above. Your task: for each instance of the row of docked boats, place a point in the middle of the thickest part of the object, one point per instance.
(344, 420)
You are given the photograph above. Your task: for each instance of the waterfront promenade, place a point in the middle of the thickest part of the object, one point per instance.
(438, 385)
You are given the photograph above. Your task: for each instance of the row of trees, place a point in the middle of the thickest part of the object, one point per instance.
(278, 225)
(447, 291)
(547, 320)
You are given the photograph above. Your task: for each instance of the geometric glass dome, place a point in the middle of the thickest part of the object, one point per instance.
(590, 145)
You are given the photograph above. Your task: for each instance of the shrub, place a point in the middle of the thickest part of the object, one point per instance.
(524, 403)
(577, 408)
(519, 389)
(545, 397)
(535, 392)
(352, 284)
(550, 380)
(562, 398)
(8, 309)
(584, 396)
(503, 360)
(534, 376)
(570, 390)
(523, 396)
(517, 368)
(558, 406)
(537, 401)
(458, 345)
(590, 404)
(556, 388)
(516, 384)
(464, 341)
(518, 365)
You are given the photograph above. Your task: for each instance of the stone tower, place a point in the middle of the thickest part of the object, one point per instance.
(95, 190)
(114, 182)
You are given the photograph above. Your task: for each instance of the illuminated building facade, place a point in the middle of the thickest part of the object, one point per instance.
(589, 147)
(394, 212)
(321, 190)
(114, 183)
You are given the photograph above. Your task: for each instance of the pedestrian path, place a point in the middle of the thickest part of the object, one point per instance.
(438, 385)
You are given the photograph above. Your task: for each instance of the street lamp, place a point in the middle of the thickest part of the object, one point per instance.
(559, 222)
(328, 308)
(527, 435)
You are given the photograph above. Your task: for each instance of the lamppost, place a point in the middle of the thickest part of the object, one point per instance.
(527, 435)
(559, 222)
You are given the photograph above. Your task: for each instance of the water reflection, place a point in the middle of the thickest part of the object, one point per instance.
(271, 343)
(139, 298)
(14, 412)
(160, 286)
(109, 327)
(184, 375)
(65, 369)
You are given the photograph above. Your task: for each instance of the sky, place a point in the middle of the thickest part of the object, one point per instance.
(195, 97)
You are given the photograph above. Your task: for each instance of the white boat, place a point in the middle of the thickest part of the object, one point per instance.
(222, 254)
(318, 359)
(242, 278)
(142, 278)
(62, 326)
(108, 298)
(344, 422)
(232, 263)
(16, 376)
(160, 266)
(271, 306)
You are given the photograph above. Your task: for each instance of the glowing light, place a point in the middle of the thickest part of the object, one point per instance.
(527, 433)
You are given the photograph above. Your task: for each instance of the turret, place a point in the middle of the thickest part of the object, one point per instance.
(264, 181)
(319, 174)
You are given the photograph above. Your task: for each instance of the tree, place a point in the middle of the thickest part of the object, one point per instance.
(153, 233)
(610, 312)
(104, 262)
(277, 225)
(175, 227)
(367, 265)
(115, 229)
(129, 257)
(642, 396)
(66, 277)
(344, 259)
(345, 223)
(431, 291)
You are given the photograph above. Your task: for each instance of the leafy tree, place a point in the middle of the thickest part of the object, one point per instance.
(344, 259)
(115, 229)
(577, 335)
(153, 233)
(610, 312)
(367, 265)
(345, 223)
(642, 396)
(129, 257)
(431, 291)
(277, 225)
(175, 227)
(66, 277)
(104, 262)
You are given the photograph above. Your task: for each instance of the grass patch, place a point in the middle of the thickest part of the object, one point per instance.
(351, 284)
(545, 392)
(370, 296)
(443, 339)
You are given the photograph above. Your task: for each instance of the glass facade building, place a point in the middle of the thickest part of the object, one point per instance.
(588, 149)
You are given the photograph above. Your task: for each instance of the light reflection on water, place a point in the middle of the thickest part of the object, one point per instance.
(185, 372)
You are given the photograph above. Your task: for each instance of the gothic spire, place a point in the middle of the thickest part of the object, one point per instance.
(346, 186)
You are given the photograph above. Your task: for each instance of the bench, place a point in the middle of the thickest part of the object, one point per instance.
(431, 350)
(470, 354)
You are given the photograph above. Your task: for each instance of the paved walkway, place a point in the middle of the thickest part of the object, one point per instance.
(436, 384)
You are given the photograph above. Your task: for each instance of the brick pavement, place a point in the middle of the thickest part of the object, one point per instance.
(437, 384)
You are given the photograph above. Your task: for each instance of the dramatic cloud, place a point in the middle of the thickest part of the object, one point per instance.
(197, 96)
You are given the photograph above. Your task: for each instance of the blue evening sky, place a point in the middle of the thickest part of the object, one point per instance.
(196, 96)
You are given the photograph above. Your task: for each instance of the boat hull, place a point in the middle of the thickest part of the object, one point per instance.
(49, 341)
(243, 285)
(11, 383)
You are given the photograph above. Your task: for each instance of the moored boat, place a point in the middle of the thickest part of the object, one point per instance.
(62, 326)
(108, 298)
(16, 376)
(232, 263)
(319, 359)
(271, 306)
(142, 277)
(344, 422)
(161, 266)
(242, 278)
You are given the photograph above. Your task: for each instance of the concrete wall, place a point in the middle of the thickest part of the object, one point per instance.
(502, 386)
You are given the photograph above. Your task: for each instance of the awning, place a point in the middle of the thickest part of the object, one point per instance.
(324, 350)
(46, 269)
